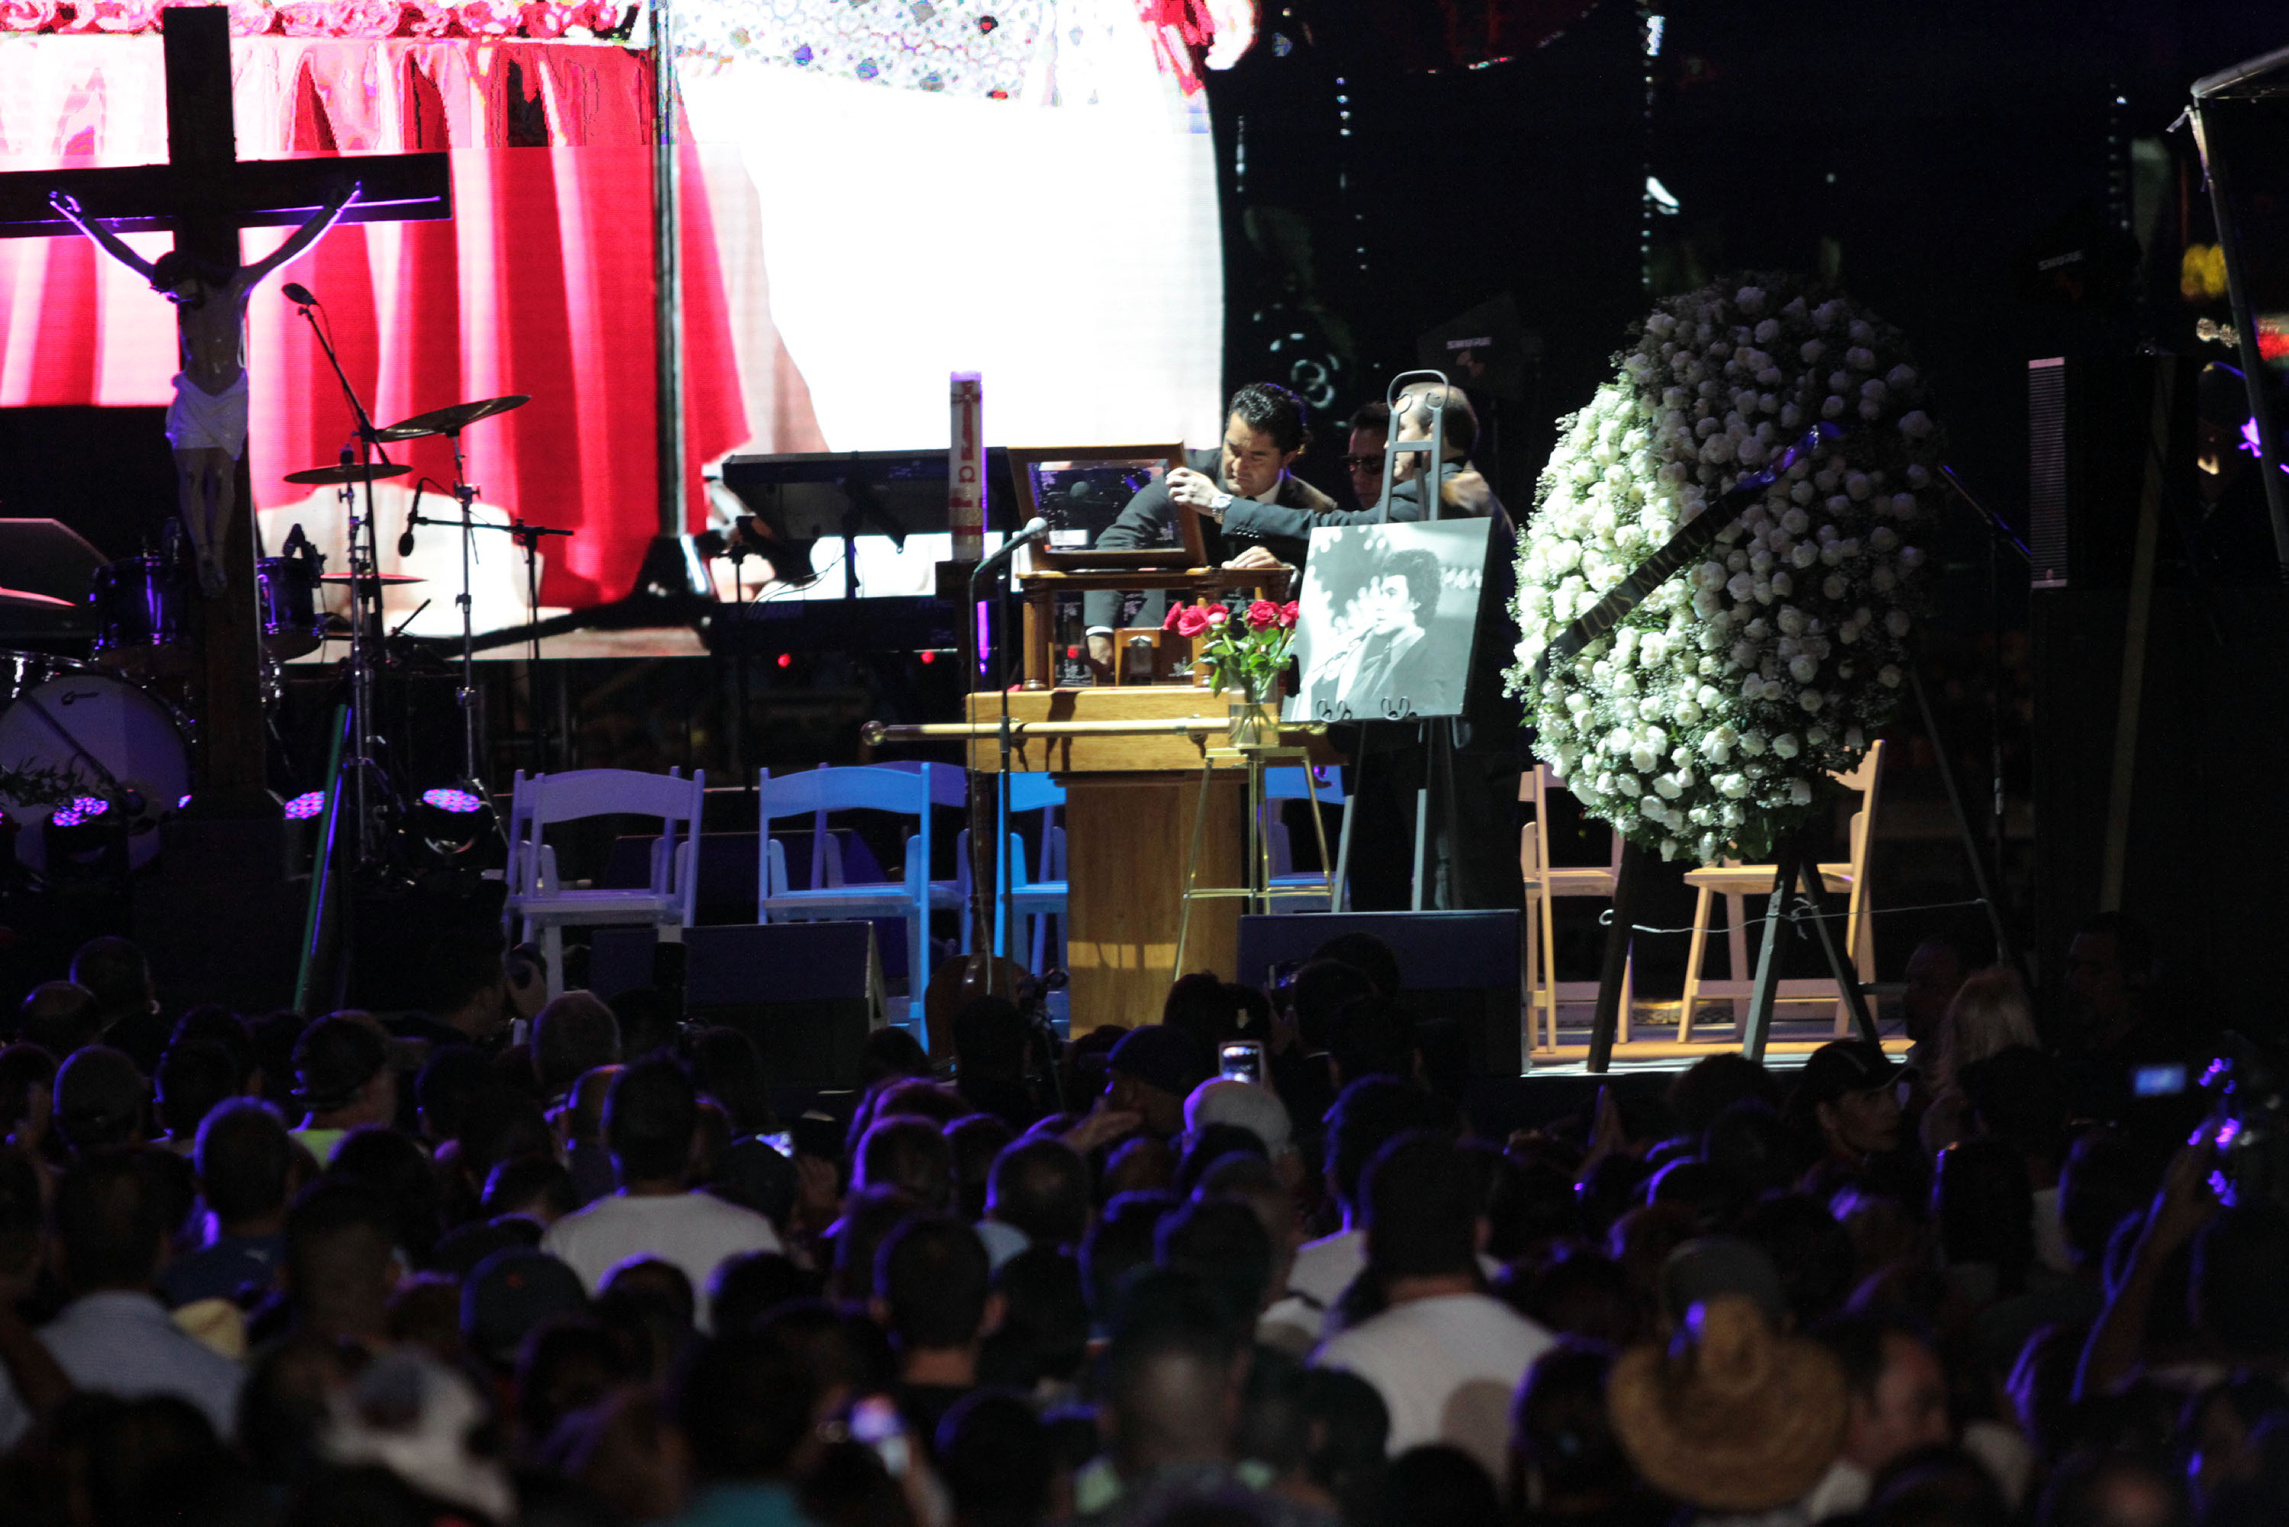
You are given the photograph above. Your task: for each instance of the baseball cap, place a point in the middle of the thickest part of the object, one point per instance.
(510, 1293)
(1163, 1057)
(1258, 1110)
(1847, 1065)
(333, 1059)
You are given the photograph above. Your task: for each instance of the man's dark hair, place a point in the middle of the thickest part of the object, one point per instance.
(2238, 1258)
(1811, 1249)
(726, 1066)
(112, 1223)
(1425, 581)
(989, 1037)
(1370, 1112)
(933, 1273)
(1422, 1205)
(1373, 415)
(245, 1160)
(995, 1460)
(869, 1215)
(1221, 1242)
(114, 970)
(1121, 1242)
(1715, 1083)
(909, 1154)
(572, 1034)
(1368, 955)
(1271, 409)
(175, 267)
(2133, 945)
(453, 1076)
(752, 1284)
(1321, 990)
(1040, 1186)
(1044, 1330)
(210, 1023)
(1212, 1009)
(499, 1123)
(975, 1142)
(1370, 1037)
(649, 1120)
(1856, 1341)
(59, 1017)
(1559, 1427)
(337, 1229)
(98, 1098)
(1986, 1209)
(1461, 425)
(193, 1080)
(744, 1401)
(1170, 1364)
(526, 1182)
(399, 1172)
(462, 968)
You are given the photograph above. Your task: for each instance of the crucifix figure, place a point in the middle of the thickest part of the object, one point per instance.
(206, 424)
(204, 194)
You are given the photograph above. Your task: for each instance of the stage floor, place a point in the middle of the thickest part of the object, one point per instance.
(1797, 1030)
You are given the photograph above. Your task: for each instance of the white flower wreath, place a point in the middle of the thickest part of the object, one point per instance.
(1707, 721)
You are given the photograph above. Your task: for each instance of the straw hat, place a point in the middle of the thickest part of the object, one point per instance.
(1733, 1416)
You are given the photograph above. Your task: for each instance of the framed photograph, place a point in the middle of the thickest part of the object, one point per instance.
(1386, 620)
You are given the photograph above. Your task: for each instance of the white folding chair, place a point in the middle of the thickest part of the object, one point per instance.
(539, 898)
(903, 791)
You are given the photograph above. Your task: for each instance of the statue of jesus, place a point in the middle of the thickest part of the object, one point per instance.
(206, 424)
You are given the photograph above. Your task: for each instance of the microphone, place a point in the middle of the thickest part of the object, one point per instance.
(1035, 529)
(412, 518)
(298, 293)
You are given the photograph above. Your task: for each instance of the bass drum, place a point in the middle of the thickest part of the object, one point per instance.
(120, 750)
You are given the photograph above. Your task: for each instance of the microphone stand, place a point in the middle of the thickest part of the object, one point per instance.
(365, 565)
(1004, 743)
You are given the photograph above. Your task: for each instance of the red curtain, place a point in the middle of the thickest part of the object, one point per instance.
(541, 282)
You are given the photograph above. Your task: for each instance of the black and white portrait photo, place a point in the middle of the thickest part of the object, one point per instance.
(1386, 619)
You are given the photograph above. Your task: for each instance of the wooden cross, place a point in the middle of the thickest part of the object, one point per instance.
(205, 194)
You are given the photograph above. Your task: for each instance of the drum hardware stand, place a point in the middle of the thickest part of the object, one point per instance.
(365, 566)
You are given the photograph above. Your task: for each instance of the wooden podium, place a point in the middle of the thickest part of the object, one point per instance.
(1130, 800)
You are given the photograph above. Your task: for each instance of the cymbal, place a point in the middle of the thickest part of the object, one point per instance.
(444, 421)
(25, 599)
(392, 579)
(336, 476)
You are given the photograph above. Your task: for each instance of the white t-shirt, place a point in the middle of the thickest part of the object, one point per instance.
(1446, 1368)
(693, 1231)
(1324, 1269)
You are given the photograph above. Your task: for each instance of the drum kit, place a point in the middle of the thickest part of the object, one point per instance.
(109, 733)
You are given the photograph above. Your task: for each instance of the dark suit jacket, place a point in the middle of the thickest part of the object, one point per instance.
(1146, 516)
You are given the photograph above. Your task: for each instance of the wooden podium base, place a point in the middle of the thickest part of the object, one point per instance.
(1130, 801)
(1126, 838)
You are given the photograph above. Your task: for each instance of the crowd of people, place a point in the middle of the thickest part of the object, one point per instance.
(575, 1261)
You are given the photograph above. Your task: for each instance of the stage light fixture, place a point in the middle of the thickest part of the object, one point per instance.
(455, 801)
(306, 805)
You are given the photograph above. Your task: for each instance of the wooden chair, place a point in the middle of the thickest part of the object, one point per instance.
(538, 899)
(1736, 882)
(1546, 883)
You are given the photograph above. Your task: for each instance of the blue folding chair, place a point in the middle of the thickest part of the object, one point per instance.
(1039, 891)
(830, 897)
(1282, 785)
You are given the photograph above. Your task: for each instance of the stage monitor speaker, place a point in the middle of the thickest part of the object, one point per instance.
(2090, 425)
(808, 994)
(1462, 965)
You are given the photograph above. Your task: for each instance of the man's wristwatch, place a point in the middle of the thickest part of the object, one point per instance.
(1220, 503)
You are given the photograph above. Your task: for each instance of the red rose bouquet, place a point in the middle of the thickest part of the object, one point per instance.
(1248, 651)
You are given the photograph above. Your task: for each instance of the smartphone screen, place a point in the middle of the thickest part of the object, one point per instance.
(2158, 1081)
(783, 1142)
(875, 1421)
(1241, 1060)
